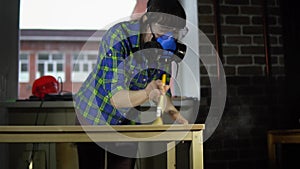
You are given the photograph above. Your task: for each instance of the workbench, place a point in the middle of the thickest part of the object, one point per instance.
(125, 133)
(291, 136)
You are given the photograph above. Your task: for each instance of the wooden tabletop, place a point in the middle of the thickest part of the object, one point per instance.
(98, 133)
(124, 128)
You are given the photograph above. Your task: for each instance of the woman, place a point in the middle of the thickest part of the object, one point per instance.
(127, 75)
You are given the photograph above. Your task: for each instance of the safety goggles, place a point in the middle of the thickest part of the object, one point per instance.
(163, 29)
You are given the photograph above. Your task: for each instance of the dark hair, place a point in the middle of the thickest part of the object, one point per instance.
(166, 12)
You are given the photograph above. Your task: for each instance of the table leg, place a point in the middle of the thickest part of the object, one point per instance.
(171, 155)
(66, 156)
(271, 152)
(196, 157)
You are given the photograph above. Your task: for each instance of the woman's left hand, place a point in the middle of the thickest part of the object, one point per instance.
(176, 116)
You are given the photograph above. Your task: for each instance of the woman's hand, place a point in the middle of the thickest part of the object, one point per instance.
(154, 90)
(175, 115)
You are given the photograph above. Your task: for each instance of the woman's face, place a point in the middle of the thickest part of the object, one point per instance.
(158, 30)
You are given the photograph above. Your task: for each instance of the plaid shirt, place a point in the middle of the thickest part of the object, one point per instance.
(119, 67)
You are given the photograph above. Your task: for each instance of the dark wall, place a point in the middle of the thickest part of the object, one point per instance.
(9, 47)
(259, 90)
(291, 39)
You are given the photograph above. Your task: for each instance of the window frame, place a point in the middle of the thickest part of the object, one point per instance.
(21, 73)
(57, 74)
(90, 62)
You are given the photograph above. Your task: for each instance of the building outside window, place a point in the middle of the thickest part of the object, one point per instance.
(53, 48)
(53, 52)
(83, 64)
(24, 68)
(50, 64)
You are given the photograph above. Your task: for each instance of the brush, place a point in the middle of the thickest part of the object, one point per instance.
(160, 104)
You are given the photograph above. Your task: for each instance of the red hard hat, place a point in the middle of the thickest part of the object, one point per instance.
(45, 85)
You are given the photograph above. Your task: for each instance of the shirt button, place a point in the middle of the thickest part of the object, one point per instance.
(144, 80)
(109, 54)
(120, 121)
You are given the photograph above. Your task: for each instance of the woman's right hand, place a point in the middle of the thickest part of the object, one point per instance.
(154, 90)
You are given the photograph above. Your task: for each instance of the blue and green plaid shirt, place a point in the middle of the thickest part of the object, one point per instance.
(120, 66)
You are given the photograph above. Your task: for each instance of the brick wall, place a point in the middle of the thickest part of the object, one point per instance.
(255, 99)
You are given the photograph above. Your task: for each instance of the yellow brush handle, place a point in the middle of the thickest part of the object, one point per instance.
(160, 105)
(164, 79)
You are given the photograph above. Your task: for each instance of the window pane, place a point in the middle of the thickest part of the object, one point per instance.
(43, 57)
(59, 67)
(57, 56)
(85, 67)
(23, 57)
(24, 67)
(50, 67)
(41, 69)
(79, 57)
(76, 67)
(75, 56)
(92, 57)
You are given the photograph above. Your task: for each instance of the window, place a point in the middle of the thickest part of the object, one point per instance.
(52, 37)
(83, 64)
(50, 64)
(24, 68)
